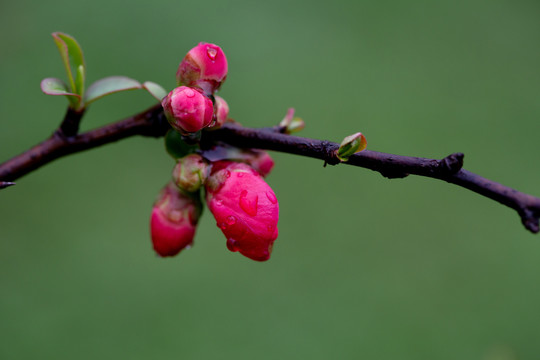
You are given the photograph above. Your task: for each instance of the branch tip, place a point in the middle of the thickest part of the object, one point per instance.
(5, 184)
(530, 220)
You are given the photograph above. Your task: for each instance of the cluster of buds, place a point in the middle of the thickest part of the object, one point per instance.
(189, 107)
(244, 206)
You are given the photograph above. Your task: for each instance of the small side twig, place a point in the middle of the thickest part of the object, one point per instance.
(5, 184)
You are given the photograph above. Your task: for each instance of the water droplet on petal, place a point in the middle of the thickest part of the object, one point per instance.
(240, 174)
(189, 93)
(271, 196)
(222, 225)
(248, 202)
(211, 53)
(231, 245)
(231, 220)
(219, 202)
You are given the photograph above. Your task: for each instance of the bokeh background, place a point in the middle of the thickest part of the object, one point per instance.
(364, 267)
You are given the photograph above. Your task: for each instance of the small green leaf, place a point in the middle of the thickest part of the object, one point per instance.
(295, 125)
(176, 146)
(287, 119)
(52, 86)
(291, 124)
(72, 57)
(155, 90)
(79, 80)
(352, 144)
(109, 85)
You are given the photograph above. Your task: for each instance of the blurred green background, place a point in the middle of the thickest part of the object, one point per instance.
(417, 269)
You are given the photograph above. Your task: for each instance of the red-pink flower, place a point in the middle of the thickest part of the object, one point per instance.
(188, 109)
(174, 220)
(245, 208)
(204, 66)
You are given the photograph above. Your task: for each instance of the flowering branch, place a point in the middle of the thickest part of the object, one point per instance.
(152, 123)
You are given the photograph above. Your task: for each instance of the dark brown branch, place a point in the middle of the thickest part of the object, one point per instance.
(147, 123)
(389, 165)
(151, 123)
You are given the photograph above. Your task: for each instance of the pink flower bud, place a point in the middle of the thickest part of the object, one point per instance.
(190, 173)
(245, 208)
(174, 220)
(188, 109)
(221, 112)
(261, 162)
(204, 66)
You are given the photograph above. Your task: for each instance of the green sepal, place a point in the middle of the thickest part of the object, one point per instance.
(176, 146)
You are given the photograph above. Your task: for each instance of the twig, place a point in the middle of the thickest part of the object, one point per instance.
(148, 123)
(152, 123)
(5, 184)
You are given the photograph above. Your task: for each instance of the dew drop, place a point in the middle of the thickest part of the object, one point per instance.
(222, 225)
(231, 220)
(189, 93)
(240, 174)
(231, 245)
(248, 202)
(211, 53)
(271, 196)
(219, 202)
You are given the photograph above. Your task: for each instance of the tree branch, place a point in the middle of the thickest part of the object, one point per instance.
(152, 123)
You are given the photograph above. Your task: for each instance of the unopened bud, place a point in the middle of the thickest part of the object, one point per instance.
(351, 145)
(187, 109)
(260, 161)
(291, 124)
(221, 112)
(204, 66)
(174, 220)
(245, 208)
(190, 173)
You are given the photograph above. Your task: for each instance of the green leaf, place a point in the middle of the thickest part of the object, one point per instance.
(352, 144)
(155, 90)
(110, 85)
(52, 86)
(79, 80)
(72, 57)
